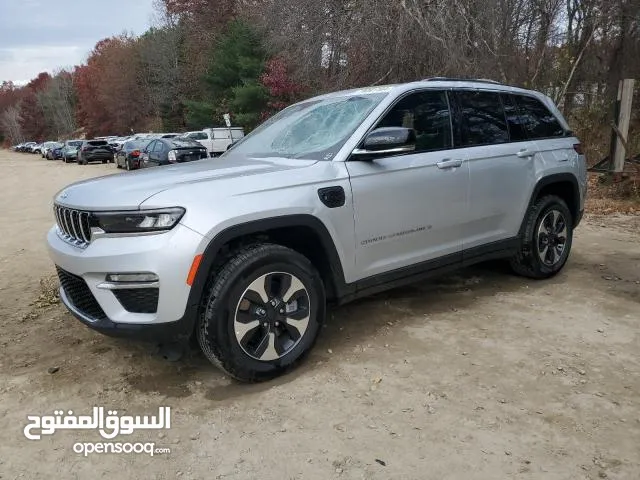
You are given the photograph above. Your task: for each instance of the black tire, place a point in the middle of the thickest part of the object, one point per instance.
(216, 331)
(127, 165)
(105, 161)
(529, 262)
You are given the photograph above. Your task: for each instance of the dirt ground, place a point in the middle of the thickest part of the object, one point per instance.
(480, 375)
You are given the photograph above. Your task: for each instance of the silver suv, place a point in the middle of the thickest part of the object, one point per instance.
(334, 198)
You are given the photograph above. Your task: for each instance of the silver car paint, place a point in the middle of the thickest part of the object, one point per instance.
(427, 211)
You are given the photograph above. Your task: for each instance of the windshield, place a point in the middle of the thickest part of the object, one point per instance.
(314, 130)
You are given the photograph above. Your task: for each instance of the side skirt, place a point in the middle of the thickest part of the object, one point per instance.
(429, 269)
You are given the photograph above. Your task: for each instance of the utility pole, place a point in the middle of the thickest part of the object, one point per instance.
(625, 100)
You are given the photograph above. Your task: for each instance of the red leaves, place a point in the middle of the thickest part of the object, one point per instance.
(282, 89)
(276, 79)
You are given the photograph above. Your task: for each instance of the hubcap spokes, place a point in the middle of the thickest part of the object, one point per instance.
(272, 316)
(552, 237)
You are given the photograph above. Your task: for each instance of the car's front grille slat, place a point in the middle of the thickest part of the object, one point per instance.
(73, 225)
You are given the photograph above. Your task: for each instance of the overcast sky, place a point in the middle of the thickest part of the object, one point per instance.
(45, 35)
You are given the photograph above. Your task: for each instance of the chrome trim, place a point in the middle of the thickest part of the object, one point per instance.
(67, 230)
(390, 151)
(128, 285)
(67, 303)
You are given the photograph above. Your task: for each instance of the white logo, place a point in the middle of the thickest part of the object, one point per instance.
(63, 195)
(109, 426)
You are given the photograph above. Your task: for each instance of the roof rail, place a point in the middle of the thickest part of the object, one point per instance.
(452, 79)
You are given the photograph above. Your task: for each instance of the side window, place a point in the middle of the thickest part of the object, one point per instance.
(200, 136)
(481, 118)
(428, 114)
(151, 146)
(159, 147)
(540, 122)
(515, 121)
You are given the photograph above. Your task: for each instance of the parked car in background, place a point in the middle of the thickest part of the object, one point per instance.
(216, 140)
(129, 156)
(35, 148)
(94, 151)
(70, 150)
(69, 154)
(53, 147)
(25, 147)
(165, 151)
(46, 146)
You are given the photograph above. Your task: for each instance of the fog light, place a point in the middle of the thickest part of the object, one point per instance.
(132, 277)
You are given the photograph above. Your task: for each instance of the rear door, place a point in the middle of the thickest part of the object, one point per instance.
(500, 159)
(408, 208)
(550, 138)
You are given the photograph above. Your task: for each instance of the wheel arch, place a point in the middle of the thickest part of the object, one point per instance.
(303, 233)
(565, 186)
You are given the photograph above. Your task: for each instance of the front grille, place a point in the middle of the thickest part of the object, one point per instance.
(73, 225)
(79, 294)
(138, 300)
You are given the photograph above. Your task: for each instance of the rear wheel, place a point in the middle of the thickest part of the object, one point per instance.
(546, 239)
(127, 164)
(262, 313)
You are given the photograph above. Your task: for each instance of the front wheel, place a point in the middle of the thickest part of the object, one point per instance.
(546, 239)
(262, 313)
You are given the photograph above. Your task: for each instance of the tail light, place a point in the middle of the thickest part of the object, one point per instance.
(172, 156)
(578, 148)
(135, 153)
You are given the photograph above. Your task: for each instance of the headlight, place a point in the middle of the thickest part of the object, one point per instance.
(138, 221)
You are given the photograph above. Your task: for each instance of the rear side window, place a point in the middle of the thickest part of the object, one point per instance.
(539, 121)
(482, 118)
(428, 114)
(515, 122)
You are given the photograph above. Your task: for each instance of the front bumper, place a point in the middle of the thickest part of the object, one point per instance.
(168, 255)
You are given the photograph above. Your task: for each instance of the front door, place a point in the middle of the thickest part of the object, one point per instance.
(408, 207)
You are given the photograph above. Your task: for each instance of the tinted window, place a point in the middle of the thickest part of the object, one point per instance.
(198, 136)
(184, 143)
(540, 122)
(133, 145)
(515, 121)
(482, 118)
(158, 147)
(428, 114)
(97, 143)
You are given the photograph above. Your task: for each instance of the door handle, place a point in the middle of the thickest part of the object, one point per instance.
(524, 153)
(448, 163)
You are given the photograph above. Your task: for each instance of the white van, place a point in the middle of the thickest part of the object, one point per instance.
(216, 139)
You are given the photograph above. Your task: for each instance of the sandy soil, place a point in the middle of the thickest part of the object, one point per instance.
(480, 375)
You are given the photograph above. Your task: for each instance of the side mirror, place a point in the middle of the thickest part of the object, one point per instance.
(387, 141)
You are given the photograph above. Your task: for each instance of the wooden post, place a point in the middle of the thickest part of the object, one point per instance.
(625, 96)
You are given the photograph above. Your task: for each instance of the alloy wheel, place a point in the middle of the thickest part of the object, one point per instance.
(272, 316)
(552, 237)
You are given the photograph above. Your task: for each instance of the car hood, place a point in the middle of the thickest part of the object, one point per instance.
(127, 191)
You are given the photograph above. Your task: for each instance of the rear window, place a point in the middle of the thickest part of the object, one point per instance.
(184, 143)
(482, 118)
(74, 143)
(135, 145)
(97, 143)
(538, 120)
